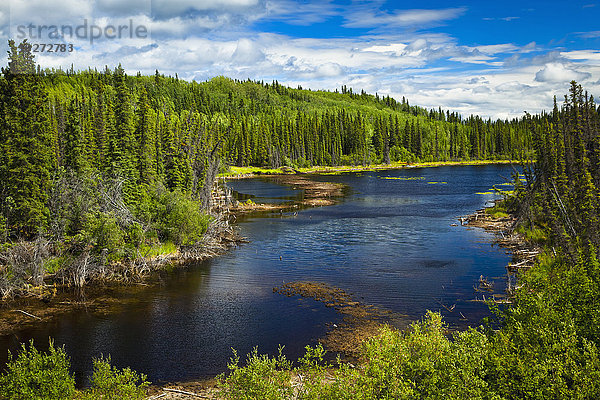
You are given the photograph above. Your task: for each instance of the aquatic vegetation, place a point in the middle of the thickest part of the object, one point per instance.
(437, 183)
(404, 178)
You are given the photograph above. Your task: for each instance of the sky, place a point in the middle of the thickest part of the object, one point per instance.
(495, 59)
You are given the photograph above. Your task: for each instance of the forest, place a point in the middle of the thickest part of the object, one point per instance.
(102, 166)
(149, 130)
(545, 345)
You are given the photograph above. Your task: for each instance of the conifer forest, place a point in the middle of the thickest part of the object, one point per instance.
(105, 174)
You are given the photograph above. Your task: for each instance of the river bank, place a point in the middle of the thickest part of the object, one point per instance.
(102, 290)
(302, 220)
(253, 172)
(524, 252)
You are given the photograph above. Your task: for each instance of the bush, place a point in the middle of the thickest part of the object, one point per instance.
(262, 378)
(35, 375)
(103, 232)
(420, 363)
(179, 218)
(108, 383)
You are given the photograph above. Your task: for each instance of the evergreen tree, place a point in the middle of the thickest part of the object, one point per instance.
(25, 144)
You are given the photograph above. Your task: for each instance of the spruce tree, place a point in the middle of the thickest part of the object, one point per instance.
(25, 143)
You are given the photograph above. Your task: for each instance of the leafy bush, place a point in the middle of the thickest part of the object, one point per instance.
(35, 375)
(110, 383)
(179, 218)
(262, 378)
(420, 363)
(103, 232)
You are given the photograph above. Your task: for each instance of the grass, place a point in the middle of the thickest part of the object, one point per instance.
(535, 235)
(237, 171)
(327, 170)
(498, 211)
(167, 247)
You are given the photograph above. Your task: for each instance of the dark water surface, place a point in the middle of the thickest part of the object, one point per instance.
(389, 242)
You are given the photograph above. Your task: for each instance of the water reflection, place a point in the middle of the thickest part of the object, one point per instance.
(389, 242)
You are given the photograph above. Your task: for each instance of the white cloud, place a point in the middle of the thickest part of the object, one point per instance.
(305, 13)
(555, 72)
(200, 39)
(497, 48)
(590, 35)
(406, 18)
(247, 52)
(171, 8)
(588, 56)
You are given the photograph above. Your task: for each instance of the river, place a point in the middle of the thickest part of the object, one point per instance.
(392, 241)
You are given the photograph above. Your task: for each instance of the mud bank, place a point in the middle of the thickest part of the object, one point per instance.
(315, 194)
(360, 321)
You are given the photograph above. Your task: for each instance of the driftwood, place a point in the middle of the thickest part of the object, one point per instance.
(26, 313)
(449, 309)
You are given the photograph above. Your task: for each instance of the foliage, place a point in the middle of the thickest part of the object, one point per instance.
(261, 378)
(178, 219)
(35, 375)
(111, 383)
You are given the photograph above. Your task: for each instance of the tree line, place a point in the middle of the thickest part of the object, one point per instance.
(149, 129)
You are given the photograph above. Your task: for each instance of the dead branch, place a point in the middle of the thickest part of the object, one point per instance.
(29, 315)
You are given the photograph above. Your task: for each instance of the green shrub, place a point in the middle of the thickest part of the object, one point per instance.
(35, 375)
(110, 383)
(158, 249)
(103, 232)
(420, 362)
(179, 218)
(262, 378)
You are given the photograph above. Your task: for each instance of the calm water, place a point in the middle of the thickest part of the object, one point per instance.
(389, 242)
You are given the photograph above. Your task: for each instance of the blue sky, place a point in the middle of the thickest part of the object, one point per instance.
(495, 59)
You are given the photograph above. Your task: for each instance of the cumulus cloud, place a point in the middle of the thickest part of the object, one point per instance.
(200, 39)
(247, 52)
(555, 72)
